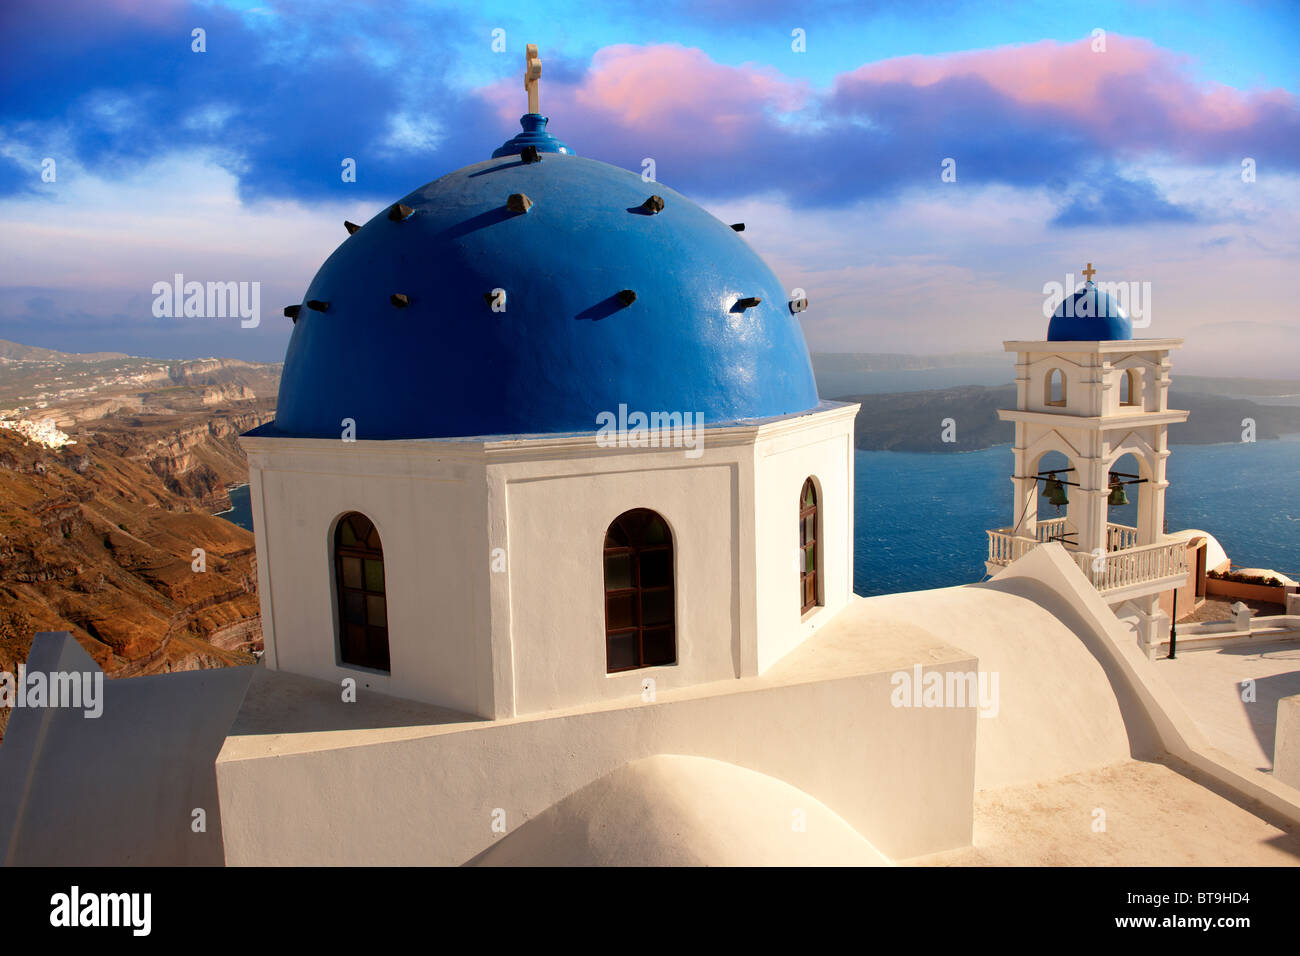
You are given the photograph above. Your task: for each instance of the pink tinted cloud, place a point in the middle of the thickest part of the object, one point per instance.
(1018, 115)
(686, 98)
(1068, 74)
(658, 84)
(1133, 93)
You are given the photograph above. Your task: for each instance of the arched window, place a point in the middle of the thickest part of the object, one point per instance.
(1054, 388)
(1130, 390)
(808, 583)
(640, 610)
(363, 606)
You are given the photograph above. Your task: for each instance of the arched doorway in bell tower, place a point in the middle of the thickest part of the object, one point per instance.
(1122, 473)
(1054, 522)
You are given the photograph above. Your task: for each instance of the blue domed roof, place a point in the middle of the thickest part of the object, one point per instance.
(567, 346)
(1089, 315)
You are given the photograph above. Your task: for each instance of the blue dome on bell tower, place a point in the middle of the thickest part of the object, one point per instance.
(529, 293)
(1090, 314)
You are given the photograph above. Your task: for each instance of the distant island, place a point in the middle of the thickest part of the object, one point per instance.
(913, 421)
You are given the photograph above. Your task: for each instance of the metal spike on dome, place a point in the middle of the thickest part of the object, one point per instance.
(318, 305)
(627, 296)
(749, 302)
(653, 205)
(398, 212)
(798, 305)
(399, 300)
(518, 202)
(351, 227)
(738, 226)
(291, 312)
(529, 154)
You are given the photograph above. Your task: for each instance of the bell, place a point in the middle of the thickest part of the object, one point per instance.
(1117, 496)
(1054, 491)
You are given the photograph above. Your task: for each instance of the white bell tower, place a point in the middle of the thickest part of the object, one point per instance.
(1095, 400)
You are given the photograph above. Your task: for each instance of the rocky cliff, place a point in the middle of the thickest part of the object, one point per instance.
(99, 538)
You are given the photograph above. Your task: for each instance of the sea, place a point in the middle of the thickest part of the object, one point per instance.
(919, 519)
(241, 508)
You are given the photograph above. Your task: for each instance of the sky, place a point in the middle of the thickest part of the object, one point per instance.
(921, 170)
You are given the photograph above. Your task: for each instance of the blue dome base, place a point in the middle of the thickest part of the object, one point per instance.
(272, 430)
(534, 134)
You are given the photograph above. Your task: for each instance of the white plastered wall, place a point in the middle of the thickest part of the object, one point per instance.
(428, 509)
(734, 516)
(558, 513)
(493, 555)
(783, 460)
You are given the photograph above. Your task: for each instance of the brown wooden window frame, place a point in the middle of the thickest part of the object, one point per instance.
(809, 565)
(363, 645)
(630, 540)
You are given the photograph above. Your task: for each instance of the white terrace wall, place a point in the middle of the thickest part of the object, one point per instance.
(1286, 745)
(120, 789)
(428, 795)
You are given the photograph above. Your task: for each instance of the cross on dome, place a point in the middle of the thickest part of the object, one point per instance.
(533, 122)
(532, 73)
(1088, 273)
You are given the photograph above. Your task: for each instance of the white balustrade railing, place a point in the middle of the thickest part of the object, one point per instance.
(1130, 566)
(1052, 529)
(1125, 563)
(1120, 536)
(1005, 547)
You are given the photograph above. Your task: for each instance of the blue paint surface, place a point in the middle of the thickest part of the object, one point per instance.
(565, 349)
(1089, 315)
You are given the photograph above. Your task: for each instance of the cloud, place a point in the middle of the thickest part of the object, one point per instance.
(1020, 115)
(284, 94)
(964, 271)
(81, 262)
(225, 166)
(1133, 96)
(1116, 201)
(281, 97)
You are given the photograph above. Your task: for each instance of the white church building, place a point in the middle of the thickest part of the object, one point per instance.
(555, 558)
(547, 432)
